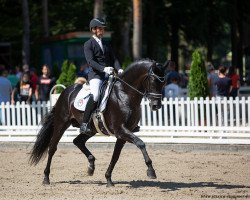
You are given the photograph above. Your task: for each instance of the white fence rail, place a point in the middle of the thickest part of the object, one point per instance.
(218, 121)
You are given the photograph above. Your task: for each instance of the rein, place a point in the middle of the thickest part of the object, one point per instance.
(147, 94)
(143, 94)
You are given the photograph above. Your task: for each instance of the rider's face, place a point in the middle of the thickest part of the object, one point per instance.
(99, 31)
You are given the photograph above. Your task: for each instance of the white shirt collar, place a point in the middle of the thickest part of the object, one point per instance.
(99, 41)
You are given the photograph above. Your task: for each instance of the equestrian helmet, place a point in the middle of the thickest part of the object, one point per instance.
(97, 22)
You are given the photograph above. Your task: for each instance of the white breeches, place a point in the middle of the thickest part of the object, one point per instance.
(95, 85)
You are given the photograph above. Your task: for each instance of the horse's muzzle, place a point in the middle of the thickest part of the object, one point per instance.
(155, 104)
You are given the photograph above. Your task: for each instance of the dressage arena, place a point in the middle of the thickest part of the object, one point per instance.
(181, 174)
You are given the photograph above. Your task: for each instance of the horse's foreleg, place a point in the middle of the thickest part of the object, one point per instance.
(130, 137)
(80, 142)
(141, 145)
(116, 154)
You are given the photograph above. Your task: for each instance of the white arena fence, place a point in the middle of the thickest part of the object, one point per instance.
(215, 121)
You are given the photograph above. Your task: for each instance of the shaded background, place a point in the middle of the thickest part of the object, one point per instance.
(170, 29)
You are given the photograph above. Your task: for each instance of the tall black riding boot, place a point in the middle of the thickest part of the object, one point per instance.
(91, 104)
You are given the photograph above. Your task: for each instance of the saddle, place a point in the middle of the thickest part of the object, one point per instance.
(97, 116)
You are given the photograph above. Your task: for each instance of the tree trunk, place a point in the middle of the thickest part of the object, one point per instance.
(151, 33)
(237, 37)
(26, 33)
(209, 32)
(137, 29)
(45, 18)
(125, 37)
(98, 8)
(175, 41)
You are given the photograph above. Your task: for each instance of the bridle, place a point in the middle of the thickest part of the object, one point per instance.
(146, 94)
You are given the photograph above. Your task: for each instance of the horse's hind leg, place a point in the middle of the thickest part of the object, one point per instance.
(80, 142)
(116, 154)
(57, 134)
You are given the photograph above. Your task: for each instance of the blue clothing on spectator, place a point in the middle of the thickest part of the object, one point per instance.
(172, 90)
(223, 86)
(212, 87)
(5, 89)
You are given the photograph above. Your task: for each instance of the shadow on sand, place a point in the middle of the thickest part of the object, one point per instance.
(169, 186)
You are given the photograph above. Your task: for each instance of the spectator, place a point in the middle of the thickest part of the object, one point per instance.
(26, 68)
(12, 78)
(44, 84)
(212, 78)
(83, 71)
(223, 83)
(33, 79)
(172, 89)
(171, 71)
(224, 87)
(18, 72)
(23, 90)
(5, 89)
(235, 78)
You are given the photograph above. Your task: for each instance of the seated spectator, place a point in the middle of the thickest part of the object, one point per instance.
(23, 90)
(44, 84)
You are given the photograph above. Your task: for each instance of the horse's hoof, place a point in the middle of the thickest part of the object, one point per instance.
(46, 181)
(91, 170)
(110, 184)
(151, 174)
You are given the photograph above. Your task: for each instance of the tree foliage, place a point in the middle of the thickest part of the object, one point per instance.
(197, 85)
(68, 74)
(168, 26)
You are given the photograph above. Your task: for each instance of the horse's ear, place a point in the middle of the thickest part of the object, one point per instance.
(169, 64)
(166, 63)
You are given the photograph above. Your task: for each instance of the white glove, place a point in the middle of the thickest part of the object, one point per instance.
(108, 70)
(120, 71)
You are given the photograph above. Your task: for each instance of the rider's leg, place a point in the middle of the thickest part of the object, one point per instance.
(91, 104)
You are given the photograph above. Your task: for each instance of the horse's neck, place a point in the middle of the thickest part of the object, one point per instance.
(134, 92)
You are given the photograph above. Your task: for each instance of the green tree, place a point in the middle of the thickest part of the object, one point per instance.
(67, 76)
(198, 85)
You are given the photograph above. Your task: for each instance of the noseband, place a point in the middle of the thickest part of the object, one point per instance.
(146, 93)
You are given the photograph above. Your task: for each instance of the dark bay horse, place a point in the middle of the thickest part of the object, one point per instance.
(144, 78)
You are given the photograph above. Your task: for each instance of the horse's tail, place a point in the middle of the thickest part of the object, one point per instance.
(43, 138)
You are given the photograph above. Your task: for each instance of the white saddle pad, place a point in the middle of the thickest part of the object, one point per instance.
(83, 96)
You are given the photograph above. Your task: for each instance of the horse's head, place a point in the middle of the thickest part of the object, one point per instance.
(153, 85)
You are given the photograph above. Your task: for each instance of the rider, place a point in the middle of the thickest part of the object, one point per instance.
(101, 61)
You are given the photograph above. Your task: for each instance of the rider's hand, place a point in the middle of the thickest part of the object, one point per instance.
(108, 70)
(120, 71)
